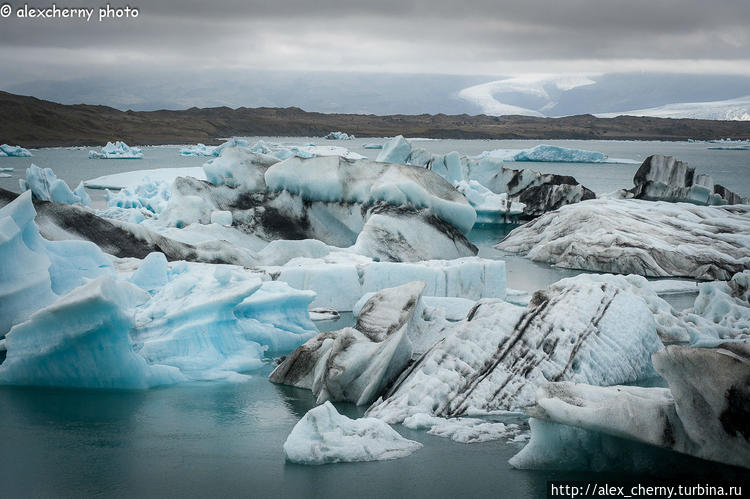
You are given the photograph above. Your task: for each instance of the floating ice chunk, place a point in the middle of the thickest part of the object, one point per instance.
(372, 146)
(356, 364)
(664, 178)
(82, 341)
(463, 430)
(16, 151)
(135, 178)
(45, 186)
(631, 236)
(558, 154)
(324, 436)
(36, 271)
(198, 150)
(495, 359)
(396, 150)
(367, 182)
(339, 136)
(118, 150)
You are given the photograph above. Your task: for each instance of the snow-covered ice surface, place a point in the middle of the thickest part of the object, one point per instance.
(732, 109)
(648, 238)
(324, 436)
(356, 364)
(45, 186)
(496, 358)
(15, 151)
(117, 150)
(703, 412)
(135, 178)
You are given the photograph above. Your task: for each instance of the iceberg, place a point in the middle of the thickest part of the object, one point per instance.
(663, 178)
(199, 150)
(372, 146)
(335, 179)
(118, 150)
(81, 340)
(537, 192)
(356, 364)
(215, 321)
(149, 196)
(464, 430)
(495, 359)
(15, 151)
(339, 136)
(45, 186)
(324, 436)
(702, 413)
(657, 239)
(36, 272)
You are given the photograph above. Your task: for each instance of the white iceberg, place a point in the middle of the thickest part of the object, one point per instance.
(117, 150)
(491, 208)
(45, 186)
(464, 430)
(15, 151)
(324, 436)
(199, 150)
(339, 136)
(631, 236)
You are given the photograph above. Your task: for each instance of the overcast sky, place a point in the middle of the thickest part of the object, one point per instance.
(487, 37)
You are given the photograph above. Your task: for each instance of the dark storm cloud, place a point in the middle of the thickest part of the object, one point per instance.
(445, 36)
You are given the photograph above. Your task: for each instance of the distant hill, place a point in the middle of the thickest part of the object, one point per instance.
(33, 122)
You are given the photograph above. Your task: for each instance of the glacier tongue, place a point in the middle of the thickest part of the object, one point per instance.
(324, 436)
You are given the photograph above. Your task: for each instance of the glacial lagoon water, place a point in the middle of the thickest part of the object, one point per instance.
(225, 439)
